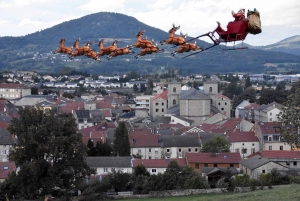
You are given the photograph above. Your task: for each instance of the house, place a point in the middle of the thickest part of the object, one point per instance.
(105, 165)
(256, 165)
(83, 118)
(6, 143)
(71, 85)
(268, 134)
(5, 169)
(181, 120)
(12, 91)
(143, 102)
(48, 84)
(159, 104)
(155, 166)
(71, 107)
(97, 133)
(268, 113)
(129, 102)
(90, 105)
(245, 143)
(249, 112)
(60, 85)
(240, 109)
(177, 146)
(290, 159)
(213, 165)
(145, 144)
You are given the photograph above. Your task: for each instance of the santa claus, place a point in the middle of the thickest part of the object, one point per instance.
(239, 15)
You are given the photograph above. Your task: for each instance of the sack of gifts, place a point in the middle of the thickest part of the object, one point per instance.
(254, 24)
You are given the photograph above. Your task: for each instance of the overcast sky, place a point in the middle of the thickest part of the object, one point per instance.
(280, 18)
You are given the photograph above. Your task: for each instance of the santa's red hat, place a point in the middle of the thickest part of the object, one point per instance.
(242, 10)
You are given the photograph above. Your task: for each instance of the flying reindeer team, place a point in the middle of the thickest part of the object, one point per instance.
(237, 31)
(147, 47)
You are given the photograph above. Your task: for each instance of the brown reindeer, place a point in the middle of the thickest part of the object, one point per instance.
(186, 48)
(92, 54)
(82, 50)
(119, 51)
(141, 42)
(148, 50)
(175, 40)
(62, 48)
(107, 50)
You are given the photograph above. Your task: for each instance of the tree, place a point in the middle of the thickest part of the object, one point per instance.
(34, 91)
(290, 118)
(68, 95)
(135, 88)
(49, 152)
(248, 83)
(121, 141)
(216, 145)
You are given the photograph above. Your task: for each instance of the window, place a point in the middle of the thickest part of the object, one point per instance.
(275, 137)
(156, 103)
(139, 151)
(270, 113)
(197, 165)
(162, 103)
(231, 165)
(153, 170)
(295, 163)
(189, 150)
(196, 149)
(149, 150)
(225, 103)
(156, 110)
(281, 147)
(210, 89)
(174, 89)
(205, 165)
(263, 171)
(179, 150)
(104, 169)
(270, 147)
(215, 165)
(162, 110)
(270, 119)
(287, 163)
(156, 150)
(149, 157)
(244, 151)
(174, 102)
(252, 150)
(219, 103)
(168, 150)
(252, 144)
(269, 138)
(237, 150)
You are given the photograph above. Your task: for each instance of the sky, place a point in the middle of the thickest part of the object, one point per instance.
(280, 19)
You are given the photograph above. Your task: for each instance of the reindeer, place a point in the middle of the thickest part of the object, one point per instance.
(92, 54)
(107, 50)
(62, 48)
(82, 50)
(148, 50)
(141, 42)
(119, 51)
(186, 48)
(173, 40)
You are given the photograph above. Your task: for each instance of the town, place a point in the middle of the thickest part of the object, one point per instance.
(194, 120)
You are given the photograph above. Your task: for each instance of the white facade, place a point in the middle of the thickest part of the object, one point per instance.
(175, 120)
(143, 101)
(147, 152)
(106, 170)
(245, 148)
(272, 115)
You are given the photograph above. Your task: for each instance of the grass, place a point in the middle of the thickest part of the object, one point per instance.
(290, 193)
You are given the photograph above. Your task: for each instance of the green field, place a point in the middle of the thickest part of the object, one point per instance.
(291, 193)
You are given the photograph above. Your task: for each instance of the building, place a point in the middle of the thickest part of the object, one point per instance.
(256, 165)
(143, 102)
(174, 89)
(268, 113)
(159, 104)
(12, 91)
(6, 143)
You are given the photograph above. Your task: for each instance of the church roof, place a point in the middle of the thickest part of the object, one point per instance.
(193, 94)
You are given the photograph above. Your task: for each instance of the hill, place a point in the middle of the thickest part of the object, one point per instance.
(34, 51)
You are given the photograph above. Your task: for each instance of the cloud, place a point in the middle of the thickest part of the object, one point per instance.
(160, 4)
(29, 2)
(4, 4)
(29, 22)
(97, 6)
(4, 22)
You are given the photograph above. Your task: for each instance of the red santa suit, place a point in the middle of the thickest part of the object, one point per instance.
(239, 15)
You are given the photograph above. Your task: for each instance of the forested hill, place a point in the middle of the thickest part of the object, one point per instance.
(31, 52)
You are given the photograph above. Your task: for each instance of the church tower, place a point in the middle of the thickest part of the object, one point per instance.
(211, 89)
(174, 89)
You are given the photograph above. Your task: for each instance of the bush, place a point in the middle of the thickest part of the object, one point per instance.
(294, 179)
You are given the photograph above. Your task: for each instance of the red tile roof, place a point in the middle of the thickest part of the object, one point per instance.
(96, 136)
(141, 131)
(13, 86)
(103, 105)
(267, 127)
(222, 96)
(146, 140)
(229, 125)
(213, 158)
(107, 113)
(280, 154)
(6, 168)
(158, 163)
(169, 126)
(242, 136)
(163, 95)
(69, 107)
(208, 127)
(252, 105)
(4, 125)
(104, 126)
